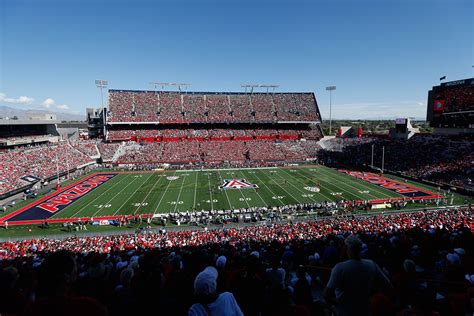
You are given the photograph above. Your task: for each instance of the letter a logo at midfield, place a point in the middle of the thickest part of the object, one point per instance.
(237, 184)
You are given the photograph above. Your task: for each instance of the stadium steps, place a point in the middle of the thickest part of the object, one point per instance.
(120, 151)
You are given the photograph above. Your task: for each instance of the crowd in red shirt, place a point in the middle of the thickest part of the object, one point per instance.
(272, 269)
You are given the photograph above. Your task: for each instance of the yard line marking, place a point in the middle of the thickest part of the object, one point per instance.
(195, 190)
(329, 183)
(362, 198)
(296, 200)
(164, 193)
(210, 190)
(265, 203)
(363, 184)
(156, 182)
(276, 195)
(320, 192)
(133, 194)
(294, 186)
(230, 169)
(338, 187)
(225, 191)
(98, 196)
(179, 194)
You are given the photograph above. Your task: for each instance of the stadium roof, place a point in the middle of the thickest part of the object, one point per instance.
(28, 122)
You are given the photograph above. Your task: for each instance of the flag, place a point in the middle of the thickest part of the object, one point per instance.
(442, 78)
(439, 105)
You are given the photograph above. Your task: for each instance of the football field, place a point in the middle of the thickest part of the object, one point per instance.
(133, 193)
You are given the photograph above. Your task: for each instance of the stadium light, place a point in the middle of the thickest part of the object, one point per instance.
(330, 89)
(174, 84)
(101, 84)
(252, 86)
(162, 84)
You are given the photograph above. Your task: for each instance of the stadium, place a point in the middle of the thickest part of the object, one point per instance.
(252, 200)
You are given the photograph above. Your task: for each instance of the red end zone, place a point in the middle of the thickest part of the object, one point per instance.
(410, 192)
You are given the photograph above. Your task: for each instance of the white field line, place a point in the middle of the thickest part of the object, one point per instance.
(195, 190)
(179, 194)
(160, 177)
(210, 190)
(225, 191)
(264, 202)
(275, 195)
(361, 197)
(134, 192)
(64, 209)
(241, 193)
(298, 189)
(320, 192)
(334, 186)
(339, 188)
(364, 184)
(296, 200)
(162, 196)
(330, 183)
(100, 195)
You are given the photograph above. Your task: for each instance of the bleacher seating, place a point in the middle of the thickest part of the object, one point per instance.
(43, 161)
(174, 107)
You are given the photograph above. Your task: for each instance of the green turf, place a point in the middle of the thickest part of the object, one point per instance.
(148, 193)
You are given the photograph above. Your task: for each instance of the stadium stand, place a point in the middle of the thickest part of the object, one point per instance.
(201, 127)
(88, 148)
(42, 161)
(421, 264)
(108, 150)
(447, 160)
(173, 107)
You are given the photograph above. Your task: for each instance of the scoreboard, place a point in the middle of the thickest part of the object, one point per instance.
(451, 104)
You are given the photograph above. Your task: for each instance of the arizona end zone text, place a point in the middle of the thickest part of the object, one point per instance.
(52, 205)
(389, 184)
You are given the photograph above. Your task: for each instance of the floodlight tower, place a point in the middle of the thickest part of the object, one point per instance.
(330, 89)
(101, 84)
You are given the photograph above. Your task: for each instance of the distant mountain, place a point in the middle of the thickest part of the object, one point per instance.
(6, 111)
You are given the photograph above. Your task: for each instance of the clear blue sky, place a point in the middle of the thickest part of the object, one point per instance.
(383, 56)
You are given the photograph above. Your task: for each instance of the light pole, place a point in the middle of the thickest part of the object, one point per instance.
(372, 159)
(101, 84)
(383, 158)
(330, 89)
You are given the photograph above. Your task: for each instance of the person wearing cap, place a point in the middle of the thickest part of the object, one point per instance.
(352, 282)
(210, 303)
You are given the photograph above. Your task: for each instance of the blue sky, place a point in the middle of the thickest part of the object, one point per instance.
(383, 56)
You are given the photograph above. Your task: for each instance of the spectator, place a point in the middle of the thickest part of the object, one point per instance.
(208, 301)
(353, 281)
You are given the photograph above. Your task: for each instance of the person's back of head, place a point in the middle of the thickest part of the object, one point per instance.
(58, 271)
(353, 246)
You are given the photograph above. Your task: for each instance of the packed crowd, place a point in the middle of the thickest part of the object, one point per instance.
(441, 159)
(108, 150)
(42, 161)
(218, 151)
(399, 264)
(457, 98)
(172, 107)
(88, 148)
(308, 132)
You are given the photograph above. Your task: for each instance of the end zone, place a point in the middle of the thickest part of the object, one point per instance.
(53, 203)
(410, 192)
